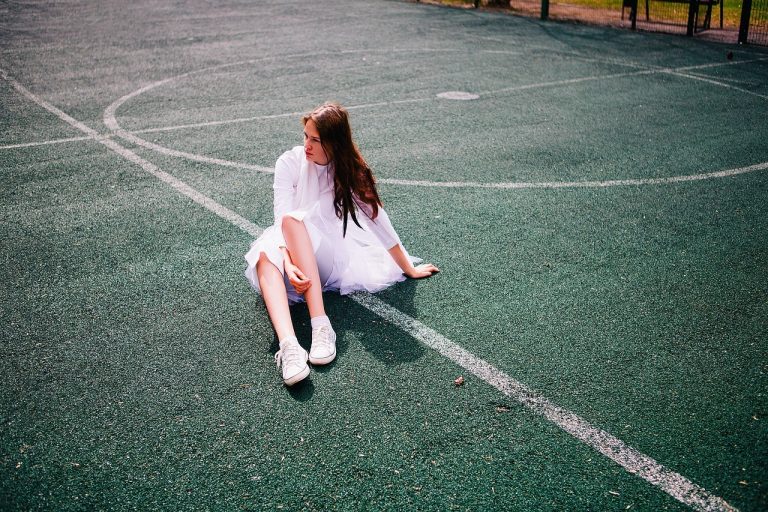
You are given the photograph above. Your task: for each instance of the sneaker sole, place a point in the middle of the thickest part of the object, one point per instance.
(320, 361)
(303, 374)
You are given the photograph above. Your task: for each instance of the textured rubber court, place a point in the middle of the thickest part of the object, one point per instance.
(598, 212)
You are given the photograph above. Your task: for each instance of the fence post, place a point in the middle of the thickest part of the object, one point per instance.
(544, 9)
(693, 11)
(746, 10)
(633, 13)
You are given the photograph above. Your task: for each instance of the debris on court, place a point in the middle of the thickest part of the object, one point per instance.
(459, 381)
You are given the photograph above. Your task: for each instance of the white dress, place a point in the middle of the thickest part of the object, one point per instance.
(358, 261)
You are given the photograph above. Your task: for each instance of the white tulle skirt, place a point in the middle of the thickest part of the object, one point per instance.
(347, 264)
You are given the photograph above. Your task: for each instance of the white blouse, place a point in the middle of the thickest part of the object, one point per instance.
(287, 172)
(361, 259)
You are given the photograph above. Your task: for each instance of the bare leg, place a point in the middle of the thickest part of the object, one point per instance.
(275, 297)
(300, 246)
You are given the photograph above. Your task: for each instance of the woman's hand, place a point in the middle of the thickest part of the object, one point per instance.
(296, 277)
(421, 271)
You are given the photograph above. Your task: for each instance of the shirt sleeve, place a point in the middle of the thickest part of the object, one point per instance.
(284, 185)
(381, 227)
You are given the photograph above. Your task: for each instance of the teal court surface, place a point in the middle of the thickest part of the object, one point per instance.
(595, 199)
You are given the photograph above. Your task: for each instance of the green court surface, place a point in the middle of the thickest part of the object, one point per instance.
(598, 212)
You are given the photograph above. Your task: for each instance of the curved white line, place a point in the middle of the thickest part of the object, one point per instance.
(110, 113)
(579, 184)
(110, 120)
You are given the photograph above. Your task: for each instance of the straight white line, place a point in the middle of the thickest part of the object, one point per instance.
(174, 182)
(715, 82)
(265, 117)
(570, 81)
(645, 70)
(727, 80)
(46, 142)
(110, 118)
(184, 154)
(630, 459)
(111, 122)
(569, 53)
(718, 64)
(615, 449)
(579, 184)
(215, 123)
(416, 100)
(113, 108)
(387, 103)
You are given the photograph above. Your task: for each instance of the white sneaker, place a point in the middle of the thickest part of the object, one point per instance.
(294, 362)
(323, 349)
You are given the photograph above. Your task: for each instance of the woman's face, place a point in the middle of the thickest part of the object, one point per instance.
(312, 147)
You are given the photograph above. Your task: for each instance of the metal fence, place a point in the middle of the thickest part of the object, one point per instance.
(754, 22)
(731, 21)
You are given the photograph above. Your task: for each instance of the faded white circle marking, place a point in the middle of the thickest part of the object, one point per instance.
(110, 119)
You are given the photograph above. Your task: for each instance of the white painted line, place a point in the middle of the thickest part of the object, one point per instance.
(184, 154)
(388, 103)
(630, 459)
(646, 68)
(215, 123)
(112, 124)
(46, 142)
(646, 71)
(458, 95)
(546, 50)
(716, 82)
(569, 81)
(264, 117)
(717, 64)
(580, 184)
(615, 449)
(110, 120)
(110, 113)
(754, 83)
(174, 182)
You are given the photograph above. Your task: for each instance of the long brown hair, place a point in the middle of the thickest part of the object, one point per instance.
(353, 181)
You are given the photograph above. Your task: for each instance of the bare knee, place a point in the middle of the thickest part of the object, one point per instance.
(264, 265)
(290, 222)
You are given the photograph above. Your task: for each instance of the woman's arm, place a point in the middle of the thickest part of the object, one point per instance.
(417, 272)
(300, 282)
(382, 228)
(284, 185)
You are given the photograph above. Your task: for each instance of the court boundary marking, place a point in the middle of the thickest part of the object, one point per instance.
(45, 142)
(110, 120)
(633, 461)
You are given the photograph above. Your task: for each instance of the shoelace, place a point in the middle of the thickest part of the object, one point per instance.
(292, 355)
(321, 338)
